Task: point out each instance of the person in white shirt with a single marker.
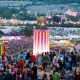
(40, 73)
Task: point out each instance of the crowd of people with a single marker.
(19, 63)
(15, 46)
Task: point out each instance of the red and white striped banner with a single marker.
(40, 41)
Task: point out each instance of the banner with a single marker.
(2, 50)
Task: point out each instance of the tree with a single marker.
(27, 31)
(7, 13)
(73, 18)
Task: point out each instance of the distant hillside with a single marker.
(58, 1)
(50, 1)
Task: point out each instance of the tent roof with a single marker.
(5, 31)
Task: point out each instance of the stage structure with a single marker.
(41, 37)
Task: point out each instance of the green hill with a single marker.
(49, 1)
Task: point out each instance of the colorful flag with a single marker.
(2, 50)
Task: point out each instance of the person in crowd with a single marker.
(39, 59)
(55, 60)
(10, 76)
(2, 76)
(27, 56)
(34, 72)
(21, 63)
(51, 56)
(56, 74)
(45, 77)
(67, 63)
(40, 73)
(61, 64)
(21, 55)
(69, 75)
(26, 73)
(46, 60)
(77, 74)
(33, 58)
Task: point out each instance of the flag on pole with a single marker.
(2, 50)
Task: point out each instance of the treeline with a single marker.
(49, 1)
(15, 13)
(60, 1)
(7, 13)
